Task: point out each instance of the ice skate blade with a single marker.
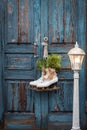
(50, 86)
(32, 86)
(45, 89)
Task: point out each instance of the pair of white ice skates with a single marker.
(47, 79)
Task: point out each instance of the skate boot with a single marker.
(47, 83)
(48, 79)
(35, 82)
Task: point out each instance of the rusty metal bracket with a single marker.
(45, 45)
(35, 50)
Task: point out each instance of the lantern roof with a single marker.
(76, 50)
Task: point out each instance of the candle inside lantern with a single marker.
(77, 60)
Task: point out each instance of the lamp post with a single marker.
(76, 56)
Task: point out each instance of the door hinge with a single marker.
(35, 50)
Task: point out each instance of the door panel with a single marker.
(20, 21)
(62, 34)
(19, 70)
(61, 100)
(19, 56)
(62, 20)
(20, 99)
(19, 61)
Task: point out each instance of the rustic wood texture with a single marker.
(20, 121)
(23, 23)
(2, 34)
(82, 42)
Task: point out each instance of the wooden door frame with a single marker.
(86, 56)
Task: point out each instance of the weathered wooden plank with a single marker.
(44, 19)
(1, 19)
(12, 21)
(30, 100)
(44, 32)
(61, 48)
(4, 41)
(86, 106)
(21, 98)
(19, 61)
(65, 62)
(59, 20)
(38, 108)
(26, 97)
(52, 21)
(12, 100)
(58, 100)
(1, 89)
(36, 17)
(2, 27)
(60, 117)
(19, 126)
(20, 22)
(81, 38)
(23, 21)
(67, 23)
(44, 109)
(65, 75)
(44, 22)
(18, 115)
(62, 13)
(59, 126)
(30, 21)
(14, 48)
(19, 74)
(73, 25)
(18, 120)
(68, 96)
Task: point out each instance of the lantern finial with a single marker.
(76, 45)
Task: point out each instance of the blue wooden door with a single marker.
(27, 22)
(19, 56)
(19, 64)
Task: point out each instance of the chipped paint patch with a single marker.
(22, 96)
(10, 8)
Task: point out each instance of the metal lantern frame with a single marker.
(76, 56)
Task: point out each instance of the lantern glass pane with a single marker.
(76, 61)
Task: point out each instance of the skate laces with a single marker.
(49, 74)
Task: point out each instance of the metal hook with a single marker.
(44, 43)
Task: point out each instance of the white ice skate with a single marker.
(47, 82)
(34, 83)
